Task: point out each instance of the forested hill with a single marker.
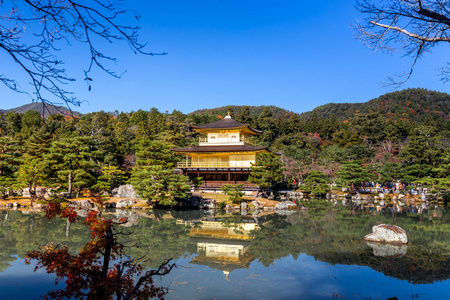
(254, 111)
(48, 110)
(411, 104)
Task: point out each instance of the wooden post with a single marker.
(229, 177)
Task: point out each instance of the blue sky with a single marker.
(293, 54)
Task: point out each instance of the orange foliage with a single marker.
(91, 274)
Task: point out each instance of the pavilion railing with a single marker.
(204, 141)
(234, 164)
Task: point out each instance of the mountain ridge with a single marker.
(412, 104)
(45, 111)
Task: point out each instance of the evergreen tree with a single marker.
(153, 176)
(267, 124)
(111, 178)
(352, 173)
(295, 124)
(346, 137)
(73, 160)
(30, 175)
(37, 144)
(267, 172)
(390, 171)
(244, 116)
(14, 123)
(5, 185)
(424, 151)
(10, 152)
(315, 183)
(234, 191)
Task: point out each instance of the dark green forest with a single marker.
(403, 136)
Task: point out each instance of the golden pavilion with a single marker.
(224, 155)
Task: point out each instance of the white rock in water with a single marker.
(125, 203)
(388, 250)
(286, 205)
(387, 234)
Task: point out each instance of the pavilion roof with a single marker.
(224, 124)
(230, 148)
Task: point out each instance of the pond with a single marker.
(318, 253)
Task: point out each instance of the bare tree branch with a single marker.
(411, 26)
(31, 32)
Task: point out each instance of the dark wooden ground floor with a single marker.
(214, 179)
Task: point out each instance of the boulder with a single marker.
(194, 201)
(125, 203)
(244, 206)
(229, 208)
(85, 204)
(209, 204)
(9, 205)
(286, 205)
(424, 198)
(50, 193)
(388, 250)
(26, 193)
(285, 212)
(83, 212)
(124, 191)
(126, 218)
(16, 204)
(82, 204)
(110, 205)
(401, 196)
(387, 234)
(382, 203)
(381, 195)
(40, 192)
(256, 204)
(40, 206)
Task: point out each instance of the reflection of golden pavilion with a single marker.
(223, 246)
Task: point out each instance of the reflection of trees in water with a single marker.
(332, 234)
(335, 235)
(157, 240)
(23, 231)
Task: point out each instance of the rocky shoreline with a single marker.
(125, 197)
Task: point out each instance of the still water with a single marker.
(314, 254)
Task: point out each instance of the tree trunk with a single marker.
(69, 189)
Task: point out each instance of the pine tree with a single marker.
(234, 191)
(352, 173)
(36, 146)
(110, 178)
(424, 151)
(153, 176)
(315, 183)
(30, 175)
(267, 172)
(10, 152)
(73, 160)
(244, 116)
